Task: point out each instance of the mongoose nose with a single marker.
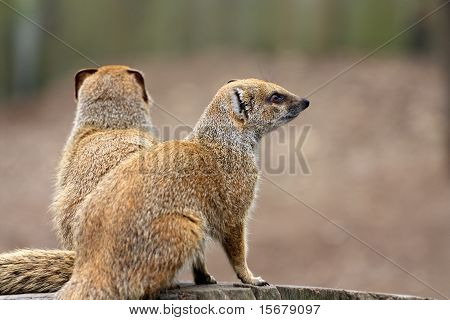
(304, 103)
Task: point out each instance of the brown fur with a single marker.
(112, 123)
(153, 213)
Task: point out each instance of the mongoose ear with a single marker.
(80, 77)
(140, 80)
(232, 80)
(240, 108)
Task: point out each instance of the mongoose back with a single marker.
(112, 122)
(152, 214)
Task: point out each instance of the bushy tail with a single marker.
(35, 271)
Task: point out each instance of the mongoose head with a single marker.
(261, 106)
(111, 96)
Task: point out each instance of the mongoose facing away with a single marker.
(152, 214)
(112, 122)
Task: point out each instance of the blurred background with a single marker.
(378, 150)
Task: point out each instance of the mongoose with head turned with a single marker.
(152, 214)
(112, 122)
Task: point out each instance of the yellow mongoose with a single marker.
(152, 213)
(112, 122)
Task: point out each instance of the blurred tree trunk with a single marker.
(446, 63)
(5, 22)
(26, 48)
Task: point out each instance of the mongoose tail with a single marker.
(175, 239)
(35, 271)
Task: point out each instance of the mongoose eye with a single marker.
(276, 98)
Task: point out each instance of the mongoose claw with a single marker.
(258, 281)
(261, 282)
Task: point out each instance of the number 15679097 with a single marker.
(289, 309)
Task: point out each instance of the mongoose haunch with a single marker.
(151, 215)
(112, 122)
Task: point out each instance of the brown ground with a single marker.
(377, 152)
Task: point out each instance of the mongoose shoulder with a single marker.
(151, 214)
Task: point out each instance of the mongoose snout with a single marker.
(304, 103)
(294, 110)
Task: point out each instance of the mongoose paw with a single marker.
(205, 279)
(257, 281)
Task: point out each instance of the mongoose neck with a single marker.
(113, 114)
(216, 128)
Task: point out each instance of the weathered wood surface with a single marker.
(230, 291)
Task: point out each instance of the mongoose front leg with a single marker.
(235, 248)
(201, 274)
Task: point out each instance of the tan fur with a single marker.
(26, 271)
(112, 123)
(152, 214)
